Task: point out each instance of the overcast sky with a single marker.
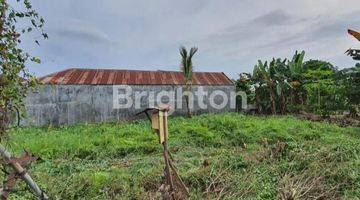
(231, 34)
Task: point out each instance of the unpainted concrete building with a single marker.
(98, 95)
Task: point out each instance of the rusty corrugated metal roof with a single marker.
(77, 76)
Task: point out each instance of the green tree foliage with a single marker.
(278, 83)
(15, 79)
(324, 94)
(283, 85)
(349, 79)
(244, 84)
(265, 73)
(295, 73)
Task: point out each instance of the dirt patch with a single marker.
(341, 120)
(274, 151)
(151, 183)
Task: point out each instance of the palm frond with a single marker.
(183, 53)
(186, 62)
(193, 50)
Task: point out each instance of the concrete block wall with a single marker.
(70, 104)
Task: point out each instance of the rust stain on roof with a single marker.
(131, 77)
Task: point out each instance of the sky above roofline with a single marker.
(231, 34)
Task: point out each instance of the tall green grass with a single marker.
(225, 155)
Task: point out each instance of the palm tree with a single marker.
(187, 69)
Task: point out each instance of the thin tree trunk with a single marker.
(297, 96)
(319, 98)
(257, 98)
(3, 121)
(273, 103)
(283, 107)
(304, 96)
(23, 174)
(187, 98)
(188, 106)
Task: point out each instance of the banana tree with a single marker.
(296, 76)
(265, 73)
(187, 69)
(282, 85)
(258, 83)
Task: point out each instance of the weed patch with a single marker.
(226, 156)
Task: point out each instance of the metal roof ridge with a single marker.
(114, 69)
(130, 76)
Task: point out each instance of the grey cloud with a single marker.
(276, 17)
(231, 34)
(277, 34)
(257, 28)
(334, 28)
(77, 30)
(322, 29)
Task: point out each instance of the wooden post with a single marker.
(159, 123)
(162, 139)
(167, 170)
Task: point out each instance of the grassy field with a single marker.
(228, 156)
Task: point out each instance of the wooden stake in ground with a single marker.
(21, 172)
(159, 123)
